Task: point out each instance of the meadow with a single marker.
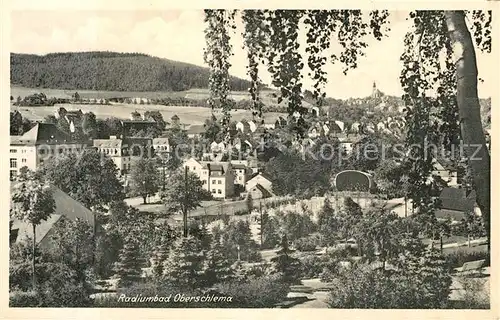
(188, 115)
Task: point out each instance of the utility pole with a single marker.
(261, 224)
(184, 207)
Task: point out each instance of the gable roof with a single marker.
(457, 199)
(108, 143)
(265, 193)
(66, 207)
(262, 174)
(46, 133)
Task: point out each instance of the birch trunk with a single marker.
(469, 111)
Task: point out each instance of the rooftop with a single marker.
(41, 133)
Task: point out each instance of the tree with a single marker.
(157, 117)
(90, 178)
(128, 267)
(296, 225)
(32, 202)
(249, 203)
(50, 119)
(273, 35)
(238, 242)
(181, 195)
(269, 231)
(63, 125)
(76, 96)
(89, 125)
(328, 223)
(72, 244)
(469, 109)
(184, 265)
(144, 178)
(285, 264)
(216, 267)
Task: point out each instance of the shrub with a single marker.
(474, 295)
(306, 243)
(311, 266)
(256, 292)
(24, 299)
(457, 258)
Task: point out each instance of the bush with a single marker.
(306, 243)
(311, 266)
(457, 258)
(24, 299)
(474, 295)
(259, 292)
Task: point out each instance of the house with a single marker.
(340, 125)
(36, 146)
(217, 177)
(123, 152)
(195, 131)
(161, 145)
(241, 173)
(259, 178)
(259, 192)
(243, 126)
(136, 125)
(252, 125)
(117, 150)
(446, 171)
(65, 208)
(455, 203)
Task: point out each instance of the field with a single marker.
(17, 91)
(187, 115)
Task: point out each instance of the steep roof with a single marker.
(66, 207)
(108, 143)
(457, 199)
(42, 133)
(265, 193)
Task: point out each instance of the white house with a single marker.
(261, 179)
(217, 177)
(340, 124)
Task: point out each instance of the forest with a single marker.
(110, 71)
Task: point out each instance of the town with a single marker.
(122, 199)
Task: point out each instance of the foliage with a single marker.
(216, 267)
(292, 174)
(128, 267)
(181, 195)
(474, 294)
(328, 222)
(285, 264)
(311, 266)
(89, 178)
(308, 243)
(144, 178)
(18, 124)
(258, 292)
(270, 231)
(456, 259)
(237, 239)
(297, 225)
(58, 286)
(109, 71)
(72, 243)
(184, 266)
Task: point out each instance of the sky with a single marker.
(178, 35)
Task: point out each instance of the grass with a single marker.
(187, 115)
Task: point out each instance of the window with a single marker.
(219, 181)
(239, 178)
(219, 191)
(13, 150)
(204, 181)
(213, 190)
(12, 174)
(213, 181)
(23, 160)
(60, 151)
(13, 163)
